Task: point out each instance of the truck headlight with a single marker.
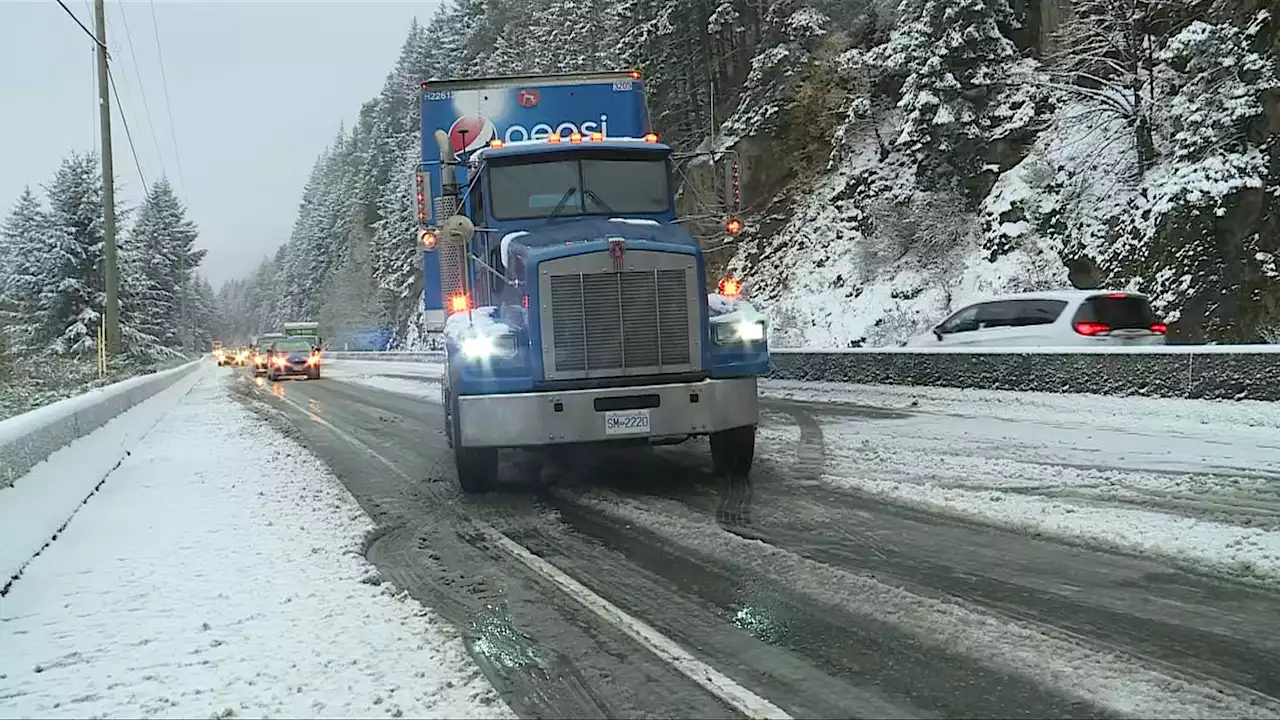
(745, 331)
(483, 347)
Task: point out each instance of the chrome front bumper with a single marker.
(554, 418)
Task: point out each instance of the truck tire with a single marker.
(733, 450)
(477, 467)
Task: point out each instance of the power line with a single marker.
(128, 135)
(86, 30)
(94, 84)
(146, 109)
(167, 105)
(121, 90)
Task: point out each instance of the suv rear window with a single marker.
(1120, 312)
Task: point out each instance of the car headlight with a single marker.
(483, 347)
(745, 331)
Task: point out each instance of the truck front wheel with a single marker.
(477, 467)
(733, 450)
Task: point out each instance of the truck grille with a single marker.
(635, 322)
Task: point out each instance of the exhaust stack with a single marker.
(448, 203)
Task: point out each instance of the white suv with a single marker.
(1051, 319)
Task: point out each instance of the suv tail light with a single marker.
(1092, 328)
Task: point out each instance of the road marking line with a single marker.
(712, 680)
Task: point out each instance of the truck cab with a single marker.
(576, 304)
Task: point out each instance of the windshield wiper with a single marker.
(604, 205)
(563, 199)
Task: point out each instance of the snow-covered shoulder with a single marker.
(479, 321)
(727, 309)
(219, 571)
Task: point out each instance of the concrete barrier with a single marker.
(1227, 372)
(29, 438)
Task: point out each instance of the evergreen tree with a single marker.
(70, 303)
(955, 60)
(162, 249)
(24, 238)
(142, 300)
(1179, 234)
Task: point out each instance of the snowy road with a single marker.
(896, 553)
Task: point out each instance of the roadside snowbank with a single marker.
(219, 571)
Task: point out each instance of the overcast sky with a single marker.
(257, 89)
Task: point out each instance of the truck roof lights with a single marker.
(651, 137)
(575, 137)
(635, 74)
(554, 138)
(597, 137)
(495, 143)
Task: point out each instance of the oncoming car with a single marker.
(293, 356)
(1068, 318)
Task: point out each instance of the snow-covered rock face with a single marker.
(870, 259)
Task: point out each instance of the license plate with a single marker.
(626, 422)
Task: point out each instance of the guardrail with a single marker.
(1224, 372)
(29, 438)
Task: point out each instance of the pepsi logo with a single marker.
(471, 132)
(529, 97)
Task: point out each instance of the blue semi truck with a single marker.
(573, 303)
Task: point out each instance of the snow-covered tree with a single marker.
(1106, 58)
(964, 82)
(1186, 235)
(161, 257)
(24, 238)
(70, 304)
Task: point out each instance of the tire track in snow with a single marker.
(1055, 659)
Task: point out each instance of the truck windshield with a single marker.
(602, 185)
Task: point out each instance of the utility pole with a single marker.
(112, 314)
